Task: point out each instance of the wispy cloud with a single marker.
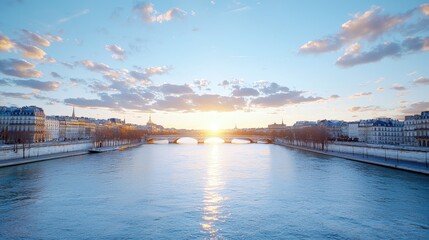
(19, 68)
(5, 43)
(370, 108)
(421, 81)
(398, 87)
(118, 53)
(38, 85)
(76, 15)
(361, 94)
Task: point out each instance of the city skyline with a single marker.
(205, 64)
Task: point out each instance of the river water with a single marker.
(224, 191)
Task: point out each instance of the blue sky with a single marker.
(199, 64)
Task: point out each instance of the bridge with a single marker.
(202, 137)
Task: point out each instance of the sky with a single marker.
(201, 64)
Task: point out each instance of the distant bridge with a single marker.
(202, 137)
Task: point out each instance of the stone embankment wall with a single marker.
(390, 152)
(38, 149)
(405, 153)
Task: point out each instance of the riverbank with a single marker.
(19, 161)
(416, 167)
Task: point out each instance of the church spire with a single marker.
(73, 115)
(150, 120)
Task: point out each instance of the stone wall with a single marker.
(39, 149)
(384, 151)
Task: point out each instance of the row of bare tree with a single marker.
(314, 137)
(106, 135)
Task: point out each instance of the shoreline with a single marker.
(47, 157)
(390, 163)
(20, 161)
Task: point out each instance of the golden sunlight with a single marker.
(214, 128)
(214, 140)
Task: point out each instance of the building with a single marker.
(52, 129)
(381, 131)
(299, 124)
(350, 130)
(276, 127)
(151, 127)
(75, 128)
(22, 125)
(416, 130)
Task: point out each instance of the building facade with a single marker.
(381, 131)
(416, 130)
(52, 129)
(22, 125)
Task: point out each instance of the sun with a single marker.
(214, 128)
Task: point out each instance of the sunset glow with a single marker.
(189, 63)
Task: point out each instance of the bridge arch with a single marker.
(242, 140)
(186, 140)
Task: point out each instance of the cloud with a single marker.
(321, 45)
(68, 65)
(36, 84)
(76, 15)
(18, 68)
(77, 81)
(227, 83)
(282, 99)
(370, 108)
(99, 86)
(369, 25)
(173, 89)
(362, 94)
(201, 83)
(5, 43)
(412, 44)
(150, 71)
(398, 87)
(49, 100)
(56, 75)
(200, 103)
(118, 53)
(31, 52)
(421, 81)
(273, 88)
(379, 89)
(416, 108)
(144, 75)
(425, 9)
(16, 95)
(52, 38)
(3, 82)
(147, 12)
(37, 39)
(353, 56)
(245, 92)
(119, 101)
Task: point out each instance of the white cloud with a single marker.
(150, 15)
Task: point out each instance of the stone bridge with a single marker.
(201, 138)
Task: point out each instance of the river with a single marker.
(216, 191)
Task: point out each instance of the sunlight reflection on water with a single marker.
(213, 200)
